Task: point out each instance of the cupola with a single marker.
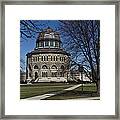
(48, 38)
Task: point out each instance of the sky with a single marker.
(28, 44)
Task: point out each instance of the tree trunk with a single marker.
(98, 87)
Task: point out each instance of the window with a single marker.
(44, 67)
(60, 58)
(51, 58)
(35, 67)
(54, 74)
(53, 67)
(51, 43)
(41, 44)
(36, 75)
(56, 44)
(47, 58)
(44, 74)
(46, 43)
(61, 74)
(41, 58)
(62, 67)
(37, 45)
(54, 58)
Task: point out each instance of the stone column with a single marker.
(49, 73)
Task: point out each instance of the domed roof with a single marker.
(48, 33)
(48, 42)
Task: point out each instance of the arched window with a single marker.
(54, 74)
(47, 58)
(51, 58)
(41, 58)
(61, 74)
(54, 58)
(60, 58)
(36, 75)
(35, 67)
(44, 67)
(53, 67)
(62, 67)
(44, 74)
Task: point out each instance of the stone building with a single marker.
(48, 62)
(77, 76)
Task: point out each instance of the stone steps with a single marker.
(51, 79)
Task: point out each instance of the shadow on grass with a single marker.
(73, 94)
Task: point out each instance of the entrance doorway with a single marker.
(36, 75)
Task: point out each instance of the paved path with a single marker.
(73, 87)
(40, 97)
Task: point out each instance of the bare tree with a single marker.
(29, 30)
(82, 40)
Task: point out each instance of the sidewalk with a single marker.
(44, 96)
(73, 87)
(40, 97)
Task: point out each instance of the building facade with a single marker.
(77, 76)
(48, 62)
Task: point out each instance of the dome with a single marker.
(48, 38)
(48, 33)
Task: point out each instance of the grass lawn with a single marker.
(88, 91)
(41, 88)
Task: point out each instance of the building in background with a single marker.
(77, 76)
(48, 62)
(22, 76)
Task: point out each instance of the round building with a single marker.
(48, 62)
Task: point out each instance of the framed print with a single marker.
(59, 60)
